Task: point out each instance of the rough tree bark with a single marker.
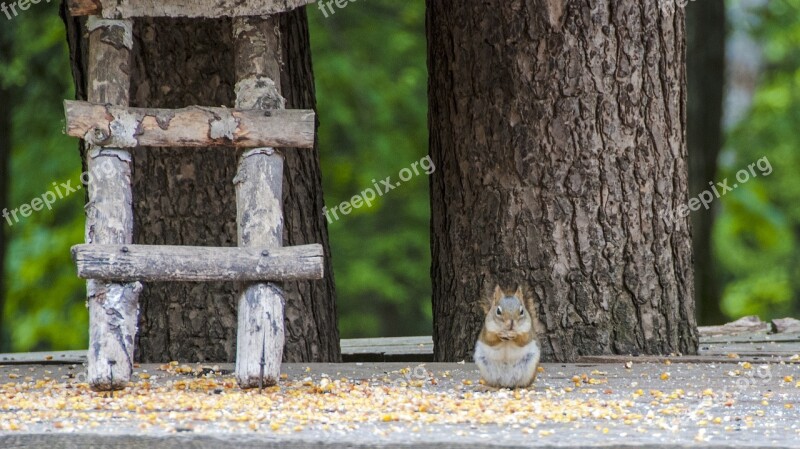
(705, 62)
(557, 129)
(187, 196)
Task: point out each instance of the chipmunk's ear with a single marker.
(527, 302)
(498, 294)
(488, 303)
(519, 295)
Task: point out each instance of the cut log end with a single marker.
(84, 7)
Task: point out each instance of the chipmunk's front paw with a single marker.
(485, 388)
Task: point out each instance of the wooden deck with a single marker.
(741, 390)
(402, 405)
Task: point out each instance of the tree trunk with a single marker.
(6, 100)
(187, 196)
(705, 62)
(557, 129)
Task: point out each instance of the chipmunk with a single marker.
(507, 351)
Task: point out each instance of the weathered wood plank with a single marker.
(752, 338)
(399, 342)
(113, 308)
(751, 349)
(786, 325)
(749, 325)
(699, 359)
(44, 358)
(121, 127)
(388, 349)
(259, 202)
(124, 9)
(155, 263)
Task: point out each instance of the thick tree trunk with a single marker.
(187, 196)
(6, 108)
(705, 61)
(557, 130)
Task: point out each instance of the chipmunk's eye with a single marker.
(521, 311)
(499, 311)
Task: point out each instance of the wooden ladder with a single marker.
(113, 266)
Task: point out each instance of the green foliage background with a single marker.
(370, 66)
(758, 230)
(44, 304)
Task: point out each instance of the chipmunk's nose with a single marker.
(511, 326)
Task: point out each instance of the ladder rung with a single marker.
(153, 263)
(122, 127)
(124, 9)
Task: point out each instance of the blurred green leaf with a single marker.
(756, 235)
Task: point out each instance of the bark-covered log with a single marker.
(124, 9)
(153, 263)
(113, 309)
(557, 129)
(109, 214)
(120, 127)
(260, 332)
(259, 203)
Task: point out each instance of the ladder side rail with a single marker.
(259, 202)
(113, 307)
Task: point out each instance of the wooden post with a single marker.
(259, 201)
(113, 308)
